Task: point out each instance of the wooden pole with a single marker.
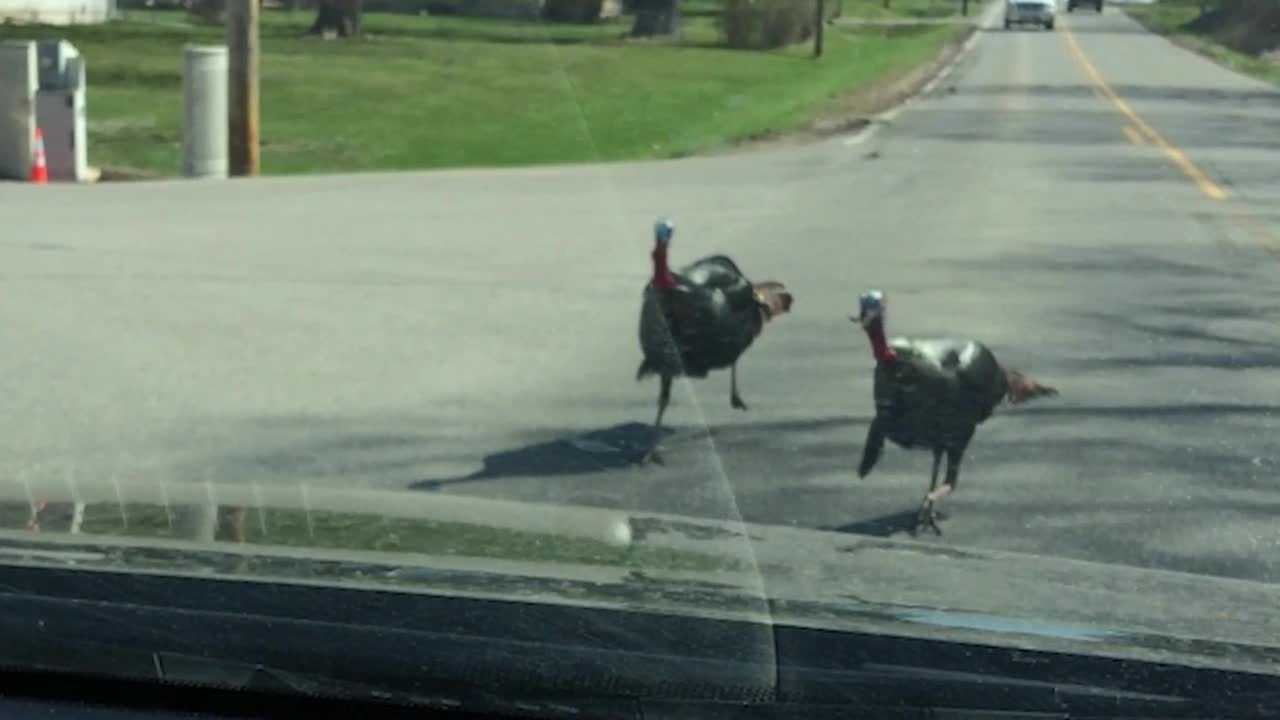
(818, 22)
(242, 43)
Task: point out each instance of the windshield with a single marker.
(909, 317)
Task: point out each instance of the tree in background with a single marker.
(768, 24)
(573, 11)
(655, 17)
(341, 17)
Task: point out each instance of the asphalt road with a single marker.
(1096, 205)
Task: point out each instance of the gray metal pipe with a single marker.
(204, 131)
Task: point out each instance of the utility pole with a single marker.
(964, 7)
(818, 22)
(242, 41)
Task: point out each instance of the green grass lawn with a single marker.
(908, 9)
(1175, 17)
(431, 92)
(371, 533)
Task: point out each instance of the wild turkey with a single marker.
(699, 320)
(933, 394)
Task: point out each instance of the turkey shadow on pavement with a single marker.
(611, 448)
(882, 526)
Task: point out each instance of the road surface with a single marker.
(1095, 204)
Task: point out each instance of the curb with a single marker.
(943, 70)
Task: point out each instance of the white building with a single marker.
(57, 12)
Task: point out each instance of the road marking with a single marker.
(986, 21)
(1260, 232)
(1134, 136)
(1176, 156)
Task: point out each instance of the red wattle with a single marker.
(662, 277)
(879, 346)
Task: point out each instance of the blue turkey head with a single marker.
(663, 230)
(870, 307)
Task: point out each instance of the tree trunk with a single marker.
(340, 16)
(656, 17)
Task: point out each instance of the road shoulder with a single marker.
(857, 110)
(1177, 24)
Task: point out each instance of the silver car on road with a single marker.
(1029, 12)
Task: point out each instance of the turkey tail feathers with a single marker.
(774, 297)
(1023, 388)
(644, 370)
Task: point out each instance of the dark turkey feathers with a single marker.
(707, 320)
(701, 319)
(933, 394)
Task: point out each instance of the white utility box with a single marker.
(60, 110)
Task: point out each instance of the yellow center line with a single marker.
(1134, 136)
(1176, 156)
(1266, 239)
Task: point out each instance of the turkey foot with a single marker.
(928, 518)
(653, 456)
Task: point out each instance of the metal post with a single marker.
(204, 130)
(242, 38)
(818, 22)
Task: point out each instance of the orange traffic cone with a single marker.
(39, 167)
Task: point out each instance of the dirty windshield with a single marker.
(909, 316)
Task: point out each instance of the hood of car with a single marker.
(692, 567)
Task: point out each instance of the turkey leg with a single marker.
(664, 397)
(928, 517)
(735, 400)
(948, 486)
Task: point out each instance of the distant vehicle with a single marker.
(1073, 4)
(1030, 12)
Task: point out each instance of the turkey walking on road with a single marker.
(700, 319)
(933, 394)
